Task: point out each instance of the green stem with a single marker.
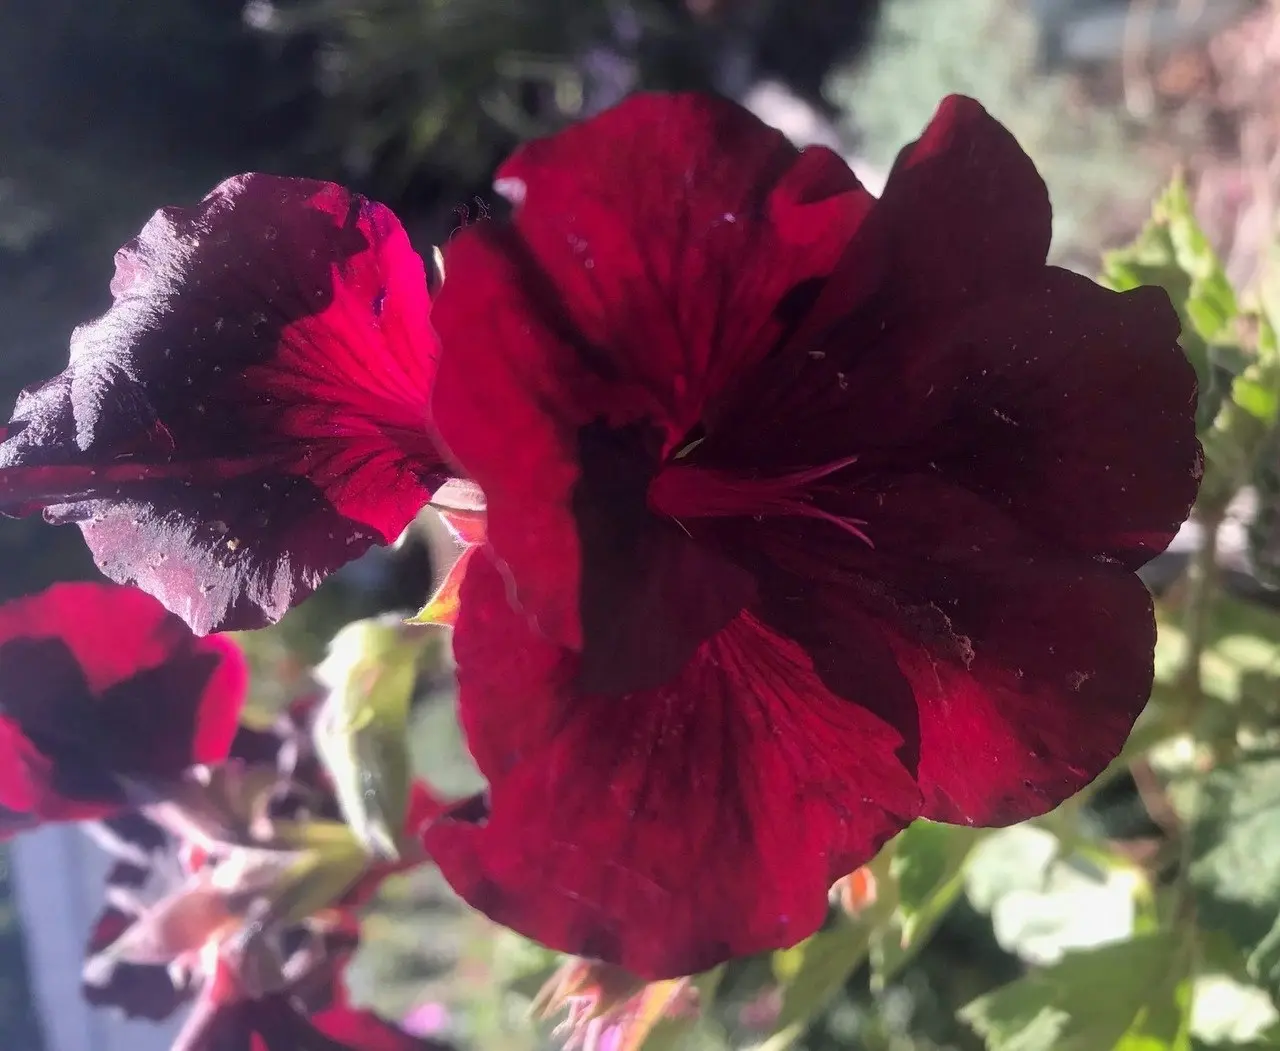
(1202, 586)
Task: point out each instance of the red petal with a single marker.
(668, 830)
(968, 211)
(365, 1031)
(1015, 671)
(943, 342)
(648, 263)
(1066, 405)
(963, 216)
(251, 413)
(1073, 408)
(425, 804)
(99, 683)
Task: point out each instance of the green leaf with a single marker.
(1240, 662)
(927, 864)
(815, 970)
(1173, 252)
(317, 877)
(1045, 902)
(1235, 870)
(1079, 907)
(1011, 859)
(1257, 397)
(812, 972)
(1264, 529)
(1227, 1011)
(361, 729)
(1130, 996)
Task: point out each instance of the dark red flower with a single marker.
(251, 413)
(280, 1023)
(99, 687)
(362, 1030)
(143, 962)
(808, 514)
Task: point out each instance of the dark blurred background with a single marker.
(110, 109)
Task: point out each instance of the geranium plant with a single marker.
(791, 523)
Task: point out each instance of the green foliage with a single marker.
(362, 725)
(1235, 841)
(444, 80)
(813, 972)
(1264, 531)
(1046, 899)
(1173, 253)
(926, 878)
(1130, 996)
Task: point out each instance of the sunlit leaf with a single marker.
(1130, 996)
(927, 865)
(1173, 252)
(813, 972)
(361, 728)
(1236, 860)
(1008, 860)
(1241, 655)
(1227, 1011)
(1045, 901)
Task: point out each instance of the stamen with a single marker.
(684, 491)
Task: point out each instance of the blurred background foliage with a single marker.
(1141, 916)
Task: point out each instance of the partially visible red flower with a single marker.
(173, 925)
(251, 413)
(100, 687)
(807, 514)
(362, 1030)
(280, 1023)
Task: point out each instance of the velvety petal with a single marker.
(1073, 408)
(1018, 672)
(24, 786)
(1068, 406)
(942, 340)
(964, 214)
(967, 210)
(251, 413)
(668, 830)
(98, 683)
(650, 260)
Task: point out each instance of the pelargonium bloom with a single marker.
(809, 514)
(102, 690)
(251, 413)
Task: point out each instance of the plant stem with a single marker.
(1202, 586)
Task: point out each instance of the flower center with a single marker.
(683, 490)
